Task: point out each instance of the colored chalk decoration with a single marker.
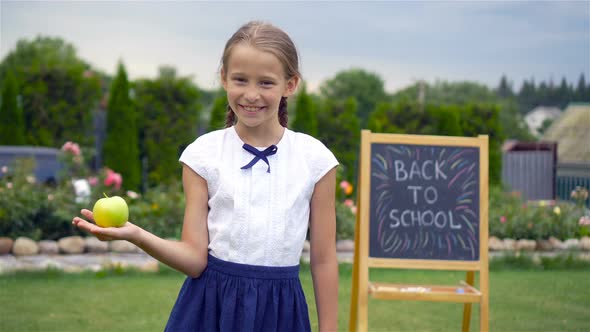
(422, 204)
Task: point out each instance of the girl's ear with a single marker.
(291, 86)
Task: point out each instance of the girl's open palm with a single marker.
(126, 232)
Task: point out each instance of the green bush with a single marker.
(345, 222)
(160, 210)
(32, 209)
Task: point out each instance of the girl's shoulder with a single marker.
(211, 138)
(309, 143)
(203, 151)
(316, 155)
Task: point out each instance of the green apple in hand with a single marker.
(110, 211)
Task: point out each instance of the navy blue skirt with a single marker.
(239, 297)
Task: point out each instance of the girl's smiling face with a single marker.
(255, 83)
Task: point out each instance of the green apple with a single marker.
(110, 211)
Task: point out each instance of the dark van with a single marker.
(47, 164)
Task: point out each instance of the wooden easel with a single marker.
(465, 292)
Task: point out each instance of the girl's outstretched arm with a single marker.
(324, 264)
(188, 255)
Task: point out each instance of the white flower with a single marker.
(9, 185)
(4, 169)
(31, 179)
(132, 194)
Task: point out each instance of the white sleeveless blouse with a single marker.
(256, 217)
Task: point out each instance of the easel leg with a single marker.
(469, 279)
(354, 307)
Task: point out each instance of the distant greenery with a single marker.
(305, 120)
(57, 90)
(218, 112)
(168, 109)
(61, 97)
(12, 121)
(121, 147)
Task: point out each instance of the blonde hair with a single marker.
(267, 38)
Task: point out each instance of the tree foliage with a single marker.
(305, 114)
(58, 91)
(12, 127)
(469, 120)
(532, 95)
(121, 146)
(218, 112)
(168, 109)
(466, 93)
(339, 130)
(367, 88)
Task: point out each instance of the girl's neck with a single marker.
(260, 136)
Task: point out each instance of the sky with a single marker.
(401, 41)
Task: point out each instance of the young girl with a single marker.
(251, 191)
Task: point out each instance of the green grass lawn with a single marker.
(520, 300)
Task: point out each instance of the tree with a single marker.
(169, 109)
(504, 90)
(218, 112)
(121, 146)
(445, 120)
(339, 130)
(564, 93)
(367, 88)
(545, 125)
(481, 118)
(58, 91)
(305, 114)
(401, 117)
(581, 89)
(461, 94)
(12, 127)
(527, 96)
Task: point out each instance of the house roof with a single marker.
(572, 133)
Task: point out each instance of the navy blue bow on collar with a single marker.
(258, 155)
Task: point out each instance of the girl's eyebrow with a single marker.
(271, 78)
(262, 77)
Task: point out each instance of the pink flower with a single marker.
(348, 202)
(353, 209)
(93, 181)
(9, 185)
(71, 147)
(132, 194)
(4, 169)
(503, 219)
(584, 221)
(113, 178)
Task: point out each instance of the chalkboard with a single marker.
(424, 202)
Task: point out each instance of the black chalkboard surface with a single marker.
(424, 202)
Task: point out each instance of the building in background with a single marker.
(536, 119)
